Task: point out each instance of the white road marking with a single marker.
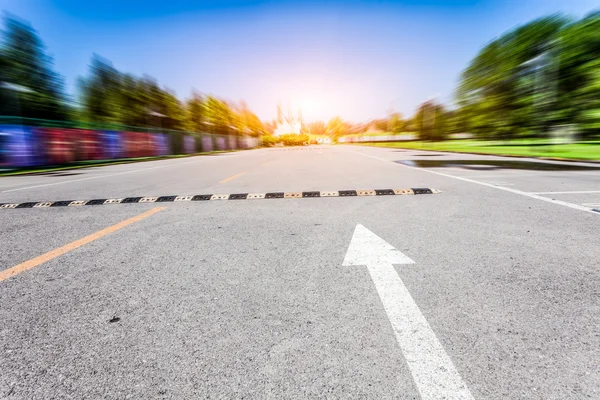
(507, 174)
(432, 369)
(94, 177)
(571, 192)
(527, 194)
(540, 173)
(501, 183)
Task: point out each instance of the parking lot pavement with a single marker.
(298, 297)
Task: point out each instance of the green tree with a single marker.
(113, 97)
(410, 125)
(506, 90)
(101, 93)
(395, 123)
(579, 75)
(132, 102)
(455, 122)
(172, 110)
(196, 116)
(430, 121)
(30, 86)
(219, 115)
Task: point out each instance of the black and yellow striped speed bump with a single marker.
(233, 196)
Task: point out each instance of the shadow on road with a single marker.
(487, 165)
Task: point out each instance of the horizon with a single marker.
(325, 60)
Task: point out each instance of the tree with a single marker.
(430, 121)
(381, 124)
(578, 92)
(132, 102)
(505, 89)
(36, 90)
(395, 123)
(219, 116)
(6, 97)
(113, 97)
(410, 125)
(316, 128)
(335, 128)
(195, 113)
(101, 93)
(247, 122)
(455, 122)
(173, 114)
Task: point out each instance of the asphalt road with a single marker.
(263, 298)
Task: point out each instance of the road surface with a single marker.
(487, 290)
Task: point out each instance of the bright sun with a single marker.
(311, 107)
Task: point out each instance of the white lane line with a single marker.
(93, 177)
(434, 374)
(539, 173)
(494, 176)
(527, 194)
(571, 192)
(501, 183)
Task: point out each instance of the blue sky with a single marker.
(355, 59)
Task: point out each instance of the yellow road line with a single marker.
(34, 262)
(233, 177)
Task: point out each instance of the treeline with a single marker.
(539, 79)
(536, 79)
(30, 88)
(337, 127)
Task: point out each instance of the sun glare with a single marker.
(312, 107)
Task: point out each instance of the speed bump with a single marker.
(366, 193)
(234, 196)
(252, 196)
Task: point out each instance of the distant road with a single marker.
(487, 290)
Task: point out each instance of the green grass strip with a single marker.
(523, 148)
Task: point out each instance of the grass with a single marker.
(522, 148)
(97, 163)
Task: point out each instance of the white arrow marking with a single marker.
(432, 370)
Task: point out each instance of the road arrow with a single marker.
(432, 370)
